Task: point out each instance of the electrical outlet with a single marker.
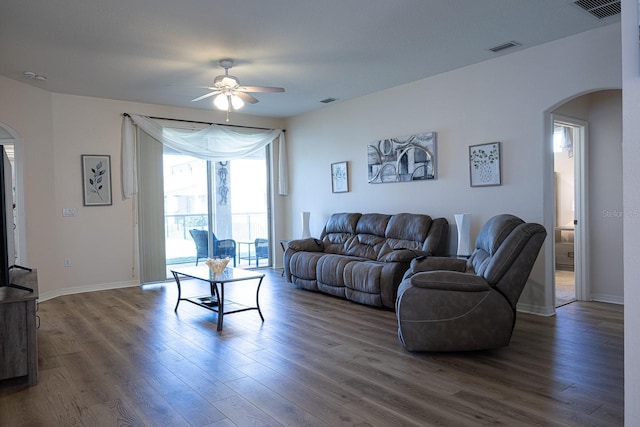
(67, 262)
(69, 212)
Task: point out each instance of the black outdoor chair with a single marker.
(221, 248)
(262, 249)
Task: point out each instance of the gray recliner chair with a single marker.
(450, 304)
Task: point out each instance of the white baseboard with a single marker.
(543, 311)
(607, 298)
(82, 289)
(536, 309)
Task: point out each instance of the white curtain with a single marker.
(216, 143)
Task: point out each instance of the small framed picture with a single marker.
(339, 177)
(485, 164)
(96, 180)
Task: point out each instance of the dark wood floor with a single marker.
(123, 357)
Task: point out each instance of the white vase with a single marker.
(463, 223)
(305, 225)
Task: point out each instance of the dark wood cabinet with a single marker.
(18, 337)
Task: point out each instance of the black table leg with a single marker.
(258, 299)
(175, 276)
(220, 305)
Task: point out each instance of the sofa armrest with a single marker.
(450, 281)
(402, 255)
(306, 245)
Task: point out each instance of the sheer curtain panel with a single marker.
(216, 143)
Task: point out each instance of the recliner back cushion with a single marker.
(369, 236)
(375, 224)
(405, 231)
(489, 240)
(495, 231)
(410, 227)
(339, 231)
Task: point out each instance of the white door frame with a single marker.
(581, 239)
(18, 151)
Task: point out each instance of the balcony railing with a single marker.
(246, 227)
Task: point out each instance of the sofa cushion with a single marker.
(339, 231)
(405, 231)
(369, 237)
(304, 265)
(372, 283)
(411, 227)
(375, 224)
(329, 269)
(329, 273)
(342, 223)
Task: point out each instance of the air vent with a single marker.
(504, 46)
(600, 8)
(328, 100)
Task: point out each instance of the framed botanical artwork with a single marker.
(96, 180)
(339, 177)
(485, 164)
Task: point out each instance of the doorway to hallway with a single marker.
(568, 148)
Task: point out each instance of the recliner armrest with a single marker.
(450, 281)
(306, 245)
(402, 255)
(438, 263)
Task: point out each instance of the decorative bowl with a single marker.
(217, 265)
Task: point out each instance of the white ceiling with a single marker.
(167, 51)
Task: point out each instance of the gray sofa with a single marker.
(448, 304)
(363, 257)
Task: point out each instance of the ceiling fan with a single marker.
(228, 92)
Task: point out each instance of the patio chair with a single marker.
(221, 248)
(262, 249)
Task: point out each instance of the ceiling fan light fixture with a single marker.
(237, 102)
(221, 102)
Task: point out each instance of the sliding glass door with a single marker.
(216, 209)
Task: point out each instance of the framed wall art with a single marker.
(96, 180)
(339, 177)
(402, 159)
(485, 164)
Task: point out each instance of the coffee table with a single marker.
(215, 300)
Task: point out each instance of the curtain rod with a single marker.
(204, 123)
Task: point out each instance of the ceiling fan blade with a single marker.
(206, 95)
(247, 98)
(260, 89)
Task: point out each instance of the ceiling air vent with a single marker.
(328, 100)
(600, 8)
(504, 46)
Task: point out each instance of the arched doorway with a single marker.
(598, 234)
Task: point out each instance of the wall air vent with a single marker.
(328, 100)
(600, 8)
(504, 46)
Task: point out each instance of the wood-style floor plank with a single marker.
(124, 357)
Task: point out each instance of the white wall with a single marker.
(27, 110)
(504, 99)
(56, 130)
(605, 197)
(631, 207)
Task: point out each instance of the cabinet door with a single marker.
(13, 340)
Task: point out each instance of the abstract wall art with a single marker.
(402, 159)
